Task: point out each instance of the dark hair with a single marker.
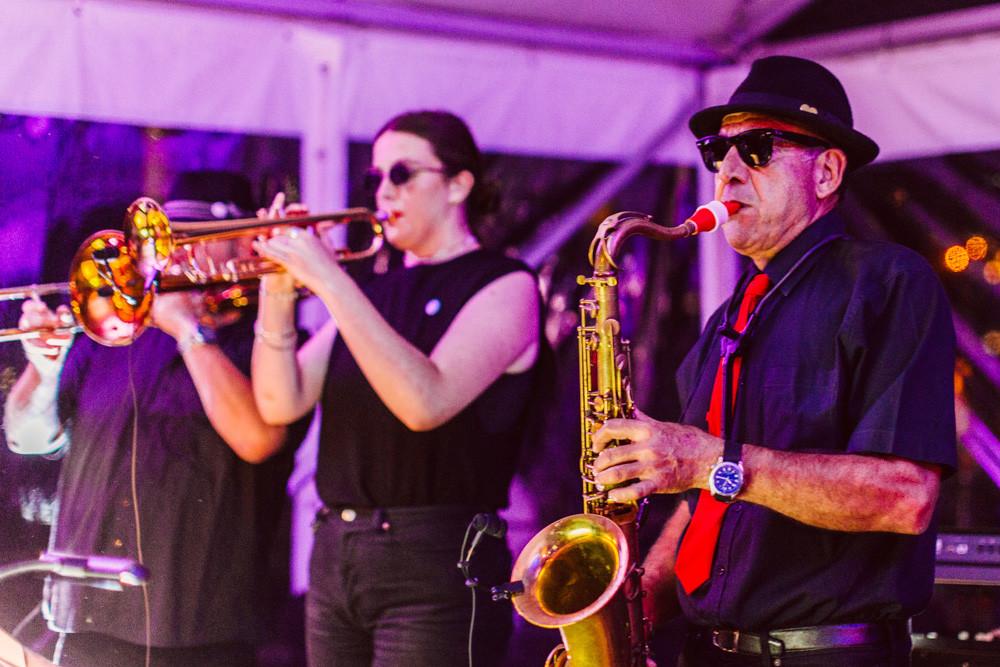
(453, 144)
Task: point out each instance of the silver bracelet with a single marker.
(275, 346)
(279, 341)
(281, 296)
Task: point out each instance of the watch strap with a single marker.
(732, 451)
(201, 335)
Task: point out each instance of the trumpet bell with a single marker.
(108, 294)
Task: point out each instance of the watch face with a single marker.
(726, 480)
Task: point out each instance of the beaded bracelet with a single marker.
(277, 341)
(281, 296)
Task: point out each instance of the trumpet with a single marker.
(115, 275)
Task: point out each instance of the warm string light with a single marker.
(957, 258)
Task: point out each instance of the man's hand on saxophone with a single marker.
(662, 456)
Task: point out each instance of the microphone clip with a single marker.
(488, 524)
(507, 591)
(725, 330)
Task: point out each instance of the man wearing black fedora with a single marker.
(817, 406)
(160, 444)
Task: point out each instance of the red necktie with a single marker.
(694, 557)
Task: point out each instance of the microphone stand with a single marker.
(112, 572)
(115, 572)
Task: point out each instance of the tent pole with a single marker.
(551, 234)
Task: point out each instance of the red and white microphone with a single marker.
(711, 216)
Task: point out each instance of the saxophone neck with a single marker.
(615, 229)
(610, 236)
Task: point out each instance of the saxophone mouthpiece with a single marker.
(711, 216)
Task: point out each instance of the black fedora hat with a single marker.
(798, 90)
(210, 195)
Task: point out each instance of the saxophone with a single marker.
(580, 573)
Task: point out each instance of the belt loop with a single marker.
(764, 641)
(772, 648)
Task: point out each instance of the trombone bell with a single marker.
(109, 296)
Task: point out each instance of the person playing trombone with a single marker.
(157, 441)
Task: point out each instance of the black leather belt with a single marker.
(384, 517)
(805, 639)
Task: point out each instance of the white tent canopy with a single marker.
(187, 66)
(227, 68)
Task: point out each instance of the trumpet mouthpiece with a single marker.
(711, 216)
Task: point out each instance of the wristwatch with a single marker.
(202, 335)
(725, 479)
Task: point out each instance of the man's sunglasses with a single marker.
(399, 174)
(754, 146)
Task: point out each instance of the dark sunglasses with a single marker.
(399, 174)
(754, 146)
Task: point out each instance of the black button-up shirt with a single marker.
(852, 351)
(205, 515)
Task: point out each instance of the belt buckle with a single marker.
(734, 635)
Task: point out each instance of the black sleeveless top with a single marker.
(367, 457)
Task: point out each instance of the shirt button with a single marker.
(722, 571)
(348, 515)
(738, 507)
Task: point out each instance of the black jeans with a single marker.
(384, 589)
(699, 651)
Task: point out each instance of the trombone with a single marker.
(115, 275)
(35, 292)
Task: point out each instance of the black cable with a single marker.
(491, 525)
(472, 619)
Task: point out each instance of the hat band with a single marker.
(190, 209)
(789, 105)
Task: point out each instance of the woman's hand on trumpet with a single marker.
(306, 260)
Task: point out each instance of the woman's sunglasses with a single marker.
(399, 174)
(754, 146)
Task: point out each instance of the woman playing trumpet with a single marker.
(423, 375)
